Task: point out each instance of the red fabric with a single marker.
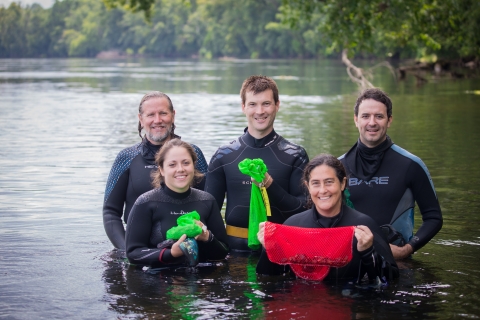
(310, 252)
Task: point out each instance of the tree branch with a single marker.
(355, 73)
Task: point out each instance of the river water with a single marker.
(63, 122)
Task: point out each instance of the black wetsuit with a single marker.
(285, 162)
(156, 211)
(375, 261)
(128, 179)
(389, 196)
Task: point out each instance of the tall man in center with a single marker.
(284, 160)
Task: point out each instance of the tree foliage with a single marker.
(420, 27)
(244, 29)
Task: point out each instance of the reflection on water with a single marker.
(63, 122)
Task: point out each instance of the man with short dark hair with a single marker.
(284, 160)
(385, 180)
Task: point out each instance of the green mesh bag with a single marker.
(256, 169)
(186, 225)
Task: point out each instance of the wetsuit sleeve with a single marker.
(376, 261)
(137, 238)
(113, 208)
(292, 201)
(216, 248)
(216, 183)
(202, 166)
(427, 201)
(375, 265)
(266, 267)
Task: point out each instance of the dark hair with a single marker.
(152, 95)
(160, 159)
(258, 84)
(324, 159)
(377, 95)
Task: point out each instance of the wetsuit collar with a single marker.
(149, 149)
(327, 222)
(363, 162)
(259, 143)
(169, 192)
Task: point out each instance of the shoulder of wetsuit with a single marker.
(226, 149)
(201, 164)
(292, 149)
(201, 195)
(120, 165)
(152, 195)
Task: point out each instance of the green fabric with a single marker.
(348, 202)
(256, 169)
(186, 225)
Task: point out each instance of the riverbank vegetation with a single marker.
(443, 32)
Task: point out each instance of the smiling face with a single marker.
(260, 110)
(326, 190)
(178, 169)
(157, 119)
(372, 122)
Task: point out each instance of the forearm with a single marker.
(427, 201)
(113, 210)
(266, 267)
(425, 233)
(374, 265)
(114, 229)
(213, 249)
(286, 203)
(215, 185)
(289, 199)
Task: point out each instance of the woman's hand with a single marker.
(261, 233)
(205, 235)
(175, 251)
(364, 238)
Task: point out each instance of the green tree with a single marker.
(12, 32)
(253, 29)
(35, 24)
(83, 33)
(57, 15)
(389, 26)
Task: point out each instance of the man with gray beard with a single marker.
(130, 175)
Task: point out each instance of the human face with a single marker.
(178, 169)
(157, 119)
(260, 110)
(372, 122)
(326, 190)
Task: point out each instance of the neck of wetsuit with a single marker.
(327, 222)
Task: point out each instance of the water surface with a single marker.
(63, 122)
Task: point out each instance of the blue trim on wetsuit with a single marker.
(413, 157)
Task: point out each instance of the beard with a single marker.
(159, 138)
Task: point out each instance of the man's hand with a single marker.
(401, 252)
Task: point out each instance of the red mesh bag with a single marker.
(310, 252)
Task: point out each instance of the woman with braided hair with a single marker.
(313, 253)
(131, 171)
